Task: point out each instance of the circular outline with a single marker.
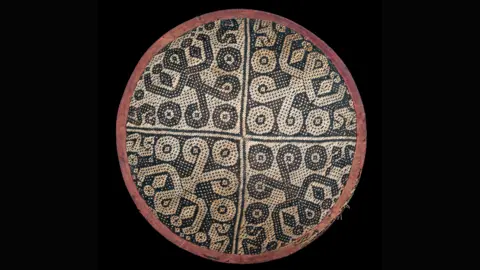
(308, 236)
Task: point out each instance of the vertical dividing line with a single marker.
(240, 199)
(245, 78)
(243, 165)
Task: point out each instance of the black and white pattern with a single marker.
(241, 136)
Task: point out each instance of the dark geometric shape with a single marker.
(315, 157)
(167, 149)
(260, 157)
(139, 94)
(288, 219)
(256, 213)
(157, 68)
(222, 209)
(166, 79)
(169, 114)
(195, 150)
(318, 193)
(229, 59)
(260, 119)
(195, 52)
(318, 64)
(309, 213)
(225, 153)
(225, 117)
(175, 59)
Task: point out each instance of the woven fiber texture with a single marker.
(240, 134)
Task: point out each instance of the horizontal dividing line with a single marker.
(203, 133)
(300, 139)
(184, 133)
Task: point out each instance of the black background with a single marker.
(128, 29)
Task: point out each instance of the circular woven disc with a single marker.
(241, 136)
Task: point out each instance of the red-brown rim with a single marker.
(309, 235)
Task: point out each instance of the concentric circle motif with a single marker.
(241, 136)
